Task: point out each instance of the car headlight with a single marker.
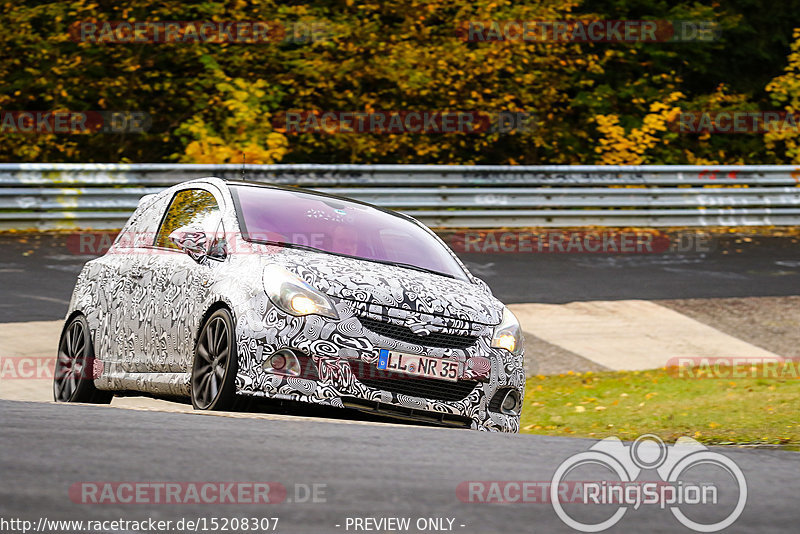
(294, 295)
(508, 334)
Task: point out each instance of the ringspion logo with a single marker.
(539, 492)
(672, 464)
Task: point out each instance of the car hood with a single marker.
(375, 284)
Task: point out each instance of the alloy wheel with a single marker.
(212, 376)
(73, 379)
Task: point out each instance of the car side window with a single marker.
(140, 230)
(190, 207)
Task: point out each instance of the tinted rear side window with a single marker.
(141, 229)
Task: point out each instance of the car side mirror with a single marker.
(192, 241)
(218, 249)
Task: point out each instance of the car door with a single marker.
(176, 285)
(127, 262)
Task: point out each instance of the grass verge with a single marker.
(720, 411)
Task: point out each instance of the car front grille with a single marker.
(427, 388)
(403, 333)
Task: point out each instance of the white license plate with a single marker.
(413, 364)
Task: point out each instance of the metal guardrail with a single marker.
(48, 196)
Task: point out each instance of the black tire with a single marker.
(74, 374)
(213, 378)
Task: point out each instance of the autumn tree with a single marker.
(785, 92)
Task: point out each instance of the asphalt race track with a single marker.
(38, 274)
(763, 267)
(367, 470)
(364, 467)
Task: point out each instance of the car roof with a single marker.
(302, 190)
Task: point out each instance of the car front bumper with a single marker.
(339, 366)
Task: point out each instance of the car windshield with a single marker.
(340, 227)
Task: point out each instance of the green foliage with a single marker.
(209, 102)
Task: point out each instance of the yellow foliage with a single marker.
(620, 147)
(785, 90)
(243, 128)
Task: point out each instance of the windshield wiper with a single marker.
(285, 244)
(415, 267)
(385, 262)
